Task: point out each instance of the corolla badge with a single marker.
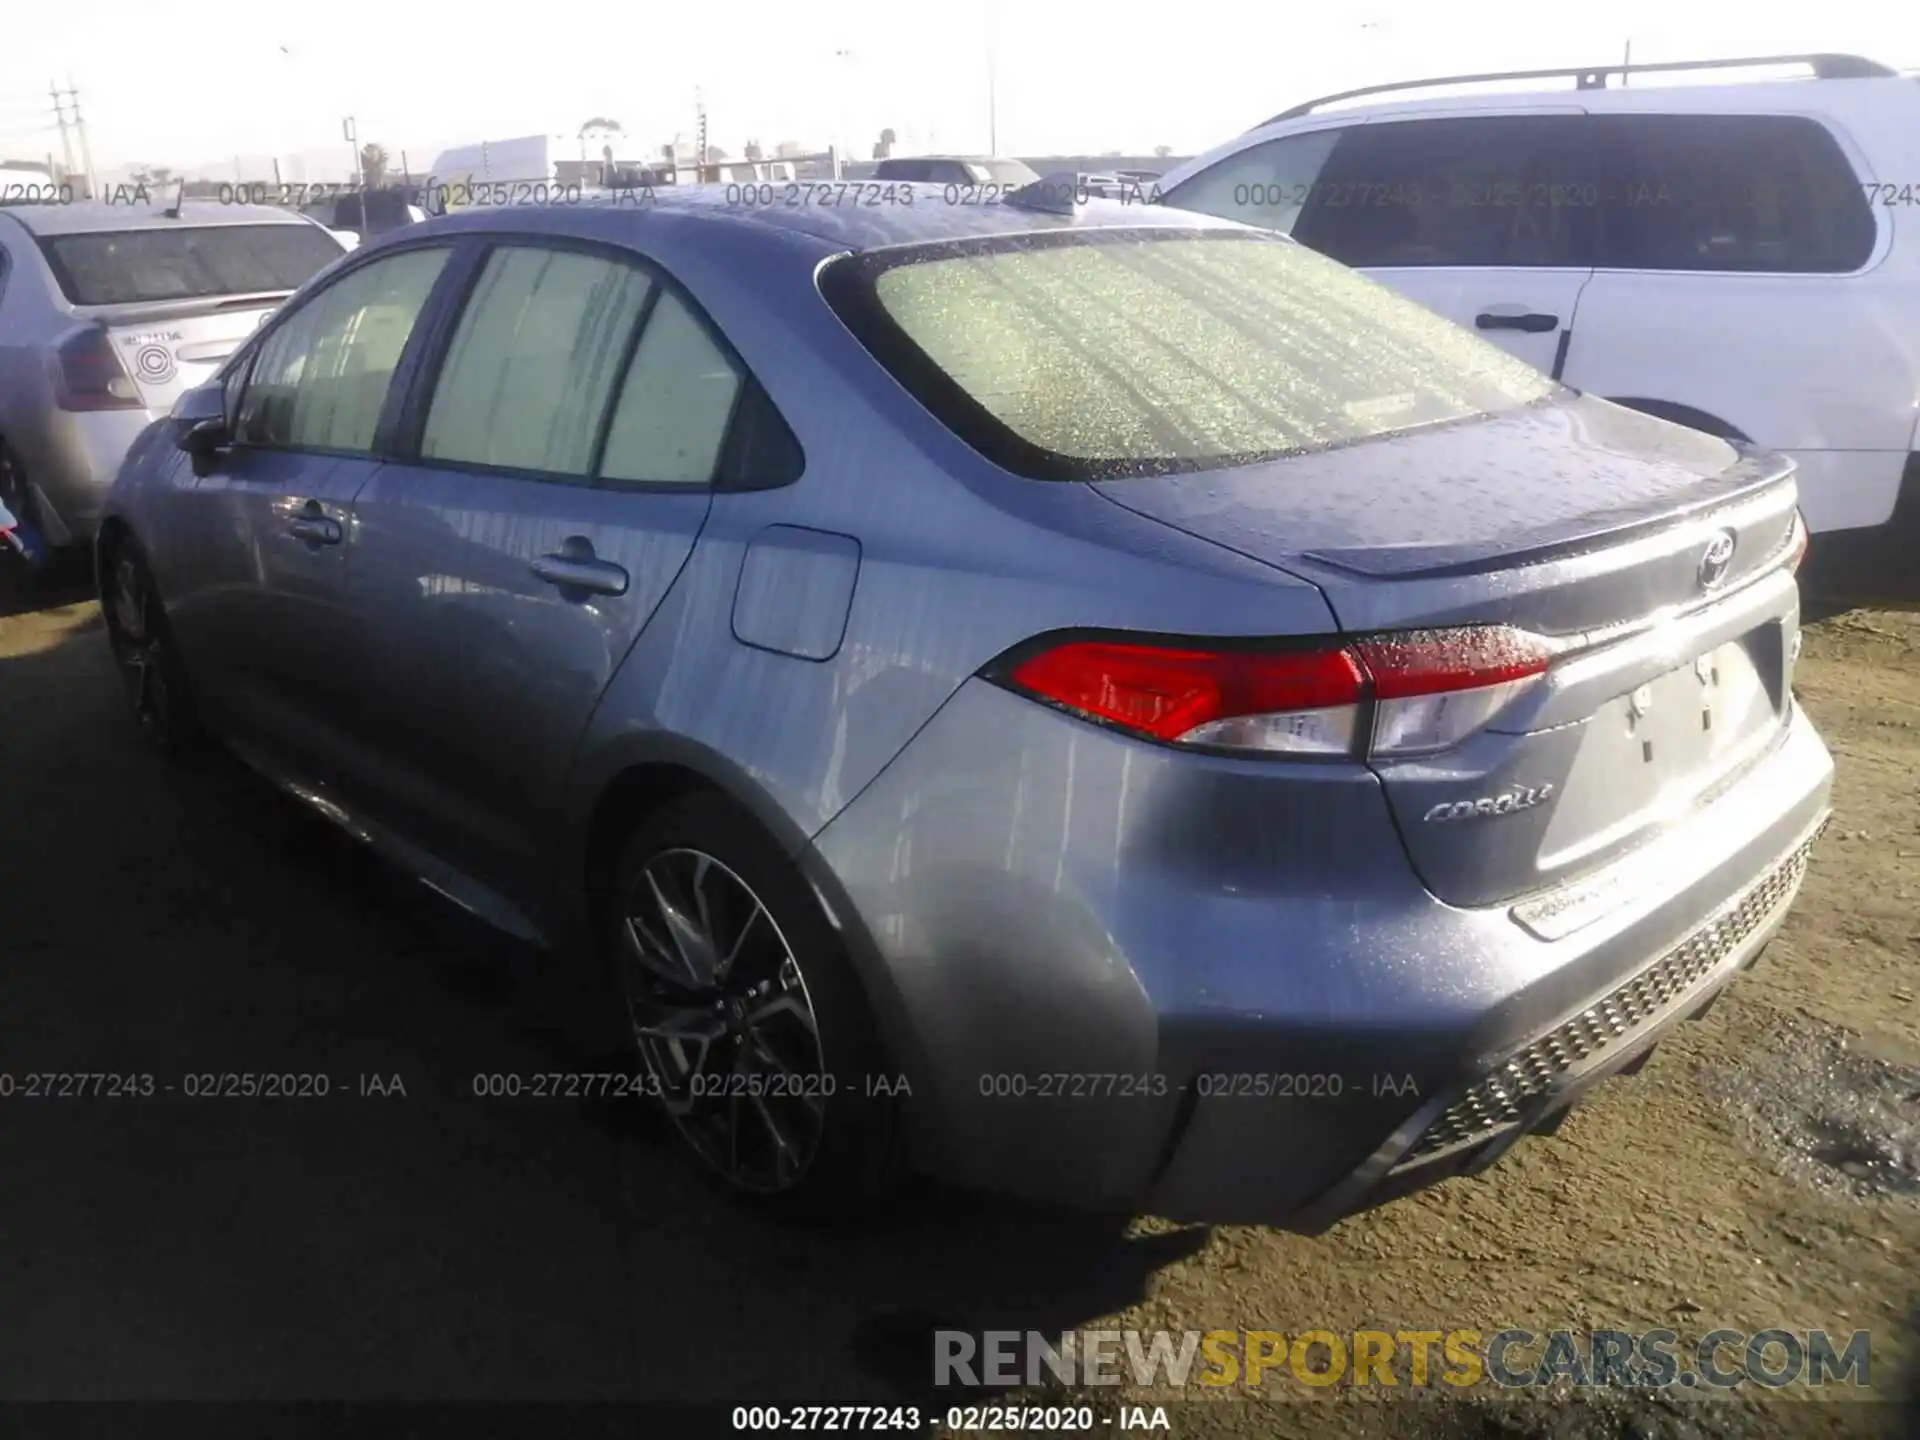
(1520, 797)
(1716, 560)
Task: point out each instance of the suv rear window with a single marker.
(194, 261)
(1098, 354)
(1767, 193)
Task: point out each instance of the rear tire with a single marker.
(158, 692)
(749, 1019)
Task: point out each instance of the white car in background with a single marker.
(1742, 258)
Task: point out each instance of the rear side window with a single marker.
(1096, 354)
(1731, 193)
(195, 261)
(321, 378)
(675, 404)
(1499, 190)
(1266, 184)
(534, 361)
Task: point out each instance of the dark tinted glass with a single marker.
(1729, 192)
(132, 266)
(1506, 190)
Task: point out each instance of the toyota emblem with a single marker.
(1717, 560)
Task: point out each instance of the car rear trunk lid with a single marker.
(170, 348)
(1651, 556)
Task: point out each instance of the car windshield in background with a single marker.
(1003, 172)
(192, 262)
(1095, 355)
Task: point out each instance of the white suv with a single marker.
(1743, 258)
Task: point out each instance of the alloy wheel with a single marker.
(139, 646)
(723, 1019)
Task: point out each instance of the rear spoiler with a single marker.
(153, 311)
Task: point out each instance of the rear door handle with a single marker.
(314, 526)
(582, 572)
(1531, 322)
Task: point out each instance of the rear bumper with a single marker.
(1117, 978)
(1464, 1131)
(1873, 564)
(1602, 997)
(74, 467)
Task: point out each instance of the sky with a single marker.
(1064, 76)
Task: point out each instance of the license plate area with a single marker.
(1650, 754)
(1683, 722)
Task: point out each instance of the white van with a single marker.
(492, 171)
(1743, 258)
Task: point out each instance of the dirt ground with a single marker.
(1759, 1172)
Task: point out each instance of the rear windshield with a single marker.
(1084, 355)
(132, 266)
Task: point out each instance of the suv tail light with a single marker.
(1384, 696)
(87, 375)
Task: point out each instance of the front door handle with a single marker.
(1531, 322)
(314, 526)
(576, 568)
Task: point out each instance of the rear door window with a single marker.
(1730, 193)
(1486, 190)
(128, 267)
(533, 362)
(320, 380)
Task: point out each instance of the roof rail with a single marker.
(1594, 77)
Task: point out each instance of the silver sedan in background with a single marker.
(109, 312)
(1083, 699)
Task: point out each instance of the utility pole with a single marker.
(60, 118)
(348, 129)
(66, 114)
(80, 125)
(993, 46)
(1626, 73)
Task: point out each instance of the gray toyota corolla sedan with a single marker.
(1080, 699)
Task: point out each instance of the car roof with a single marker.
(893, 219)
(94, 217)
(1760, 93)
(1784, 91)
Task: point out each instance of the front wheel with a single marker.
(150, 670)
(747, 1014)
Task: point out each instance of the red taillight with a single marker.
(1422, 691)
(88, 375)
(1433, 688)
(1197, 697)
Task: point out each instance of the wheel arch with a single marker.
(649, 772)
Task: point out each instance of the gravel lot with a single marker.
(1760, 1171)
